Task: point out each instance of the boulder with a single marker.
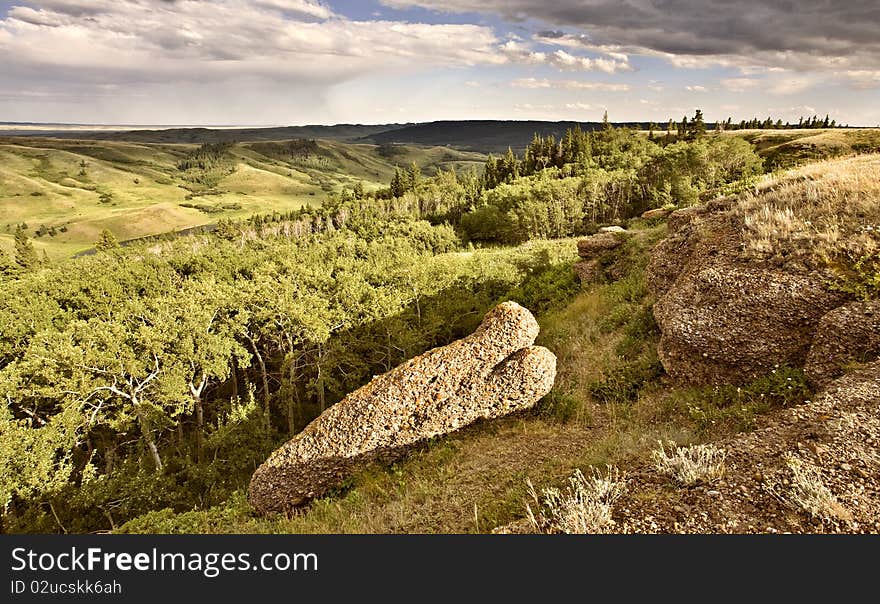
(846, 334)
(657, 213)
(600, 243)
(587, 271)
(493, 372)
(614, 228)
(730, 324)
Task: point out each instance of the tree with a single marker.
(415, 176)
(106, 241)
(398, 184)
(697, 126)
(26, 258)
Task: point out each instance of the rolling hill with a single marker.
(68, 191)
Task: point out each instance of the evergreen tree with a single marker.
(697, 126)
(106, 241)
(398, 186)
(415, 176)
(26, 258)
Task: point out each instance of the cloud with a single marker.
(568, 84)
(863, 78)
(696, 88)
(740, 84)
(293, 40)
(808, 35)
(518, 52)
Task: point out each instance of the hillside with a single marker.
(783, 463)
(68, 191)
(786, 148)
(195, 135)
(146, 384)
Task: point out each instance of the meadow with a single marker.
(68, 191)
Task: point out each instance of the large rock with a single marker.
(725, 317)
(847, 334)
(730, 324)
(493, 372)
(597, 244)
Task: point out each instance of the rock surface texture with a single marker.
(594, 251)
(835, 437)
(847, 334)
(493, 372)
(724, 317)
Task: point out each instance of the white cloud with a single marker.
(519, 52)
(863, 78)
(696, 88)
(568, 84)
(216, 39)
(740, 84)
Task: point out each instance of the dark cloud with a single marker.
(804, 34)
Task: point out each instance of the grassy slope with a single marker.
(786, 148)
(610, 405)
(474, 480)
(136, 190)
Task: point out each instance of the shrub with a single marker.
(808, 492)
(689, 465)
(584, 507)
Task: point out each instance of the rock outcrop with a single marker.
(836, 436)
(731, 324)
(723, 317)
(850, 333)
(656, 214)
(594, 250)
(493, 372)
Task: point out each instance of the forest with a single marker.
(158, 375)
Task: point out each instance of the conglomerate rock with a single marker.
(725, 317)
(850, 333)
(493, 372)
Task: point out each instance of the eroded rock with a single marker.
(725, 317)
(493, 372)
(730, 324)
(850, 333)
(597, 244)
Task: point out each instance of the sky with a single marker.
(295, 62)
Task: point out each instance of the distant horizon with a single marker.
(106, 125)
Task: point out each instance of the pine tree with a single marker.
(106, 241)
(490, 174)
(397, 184)
(415, 176)
(697, 126)
(26, 258)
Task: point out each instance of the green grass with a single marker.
(475, 479)
(136, 189)
(787, 148)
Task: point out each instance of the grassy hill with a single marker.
(488, 136)
(198, 135)
(68, 191)
(786, 148)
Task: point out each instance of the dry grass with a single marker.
(807, 492)
(689, 465)
(824, 210)
(584, 507)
